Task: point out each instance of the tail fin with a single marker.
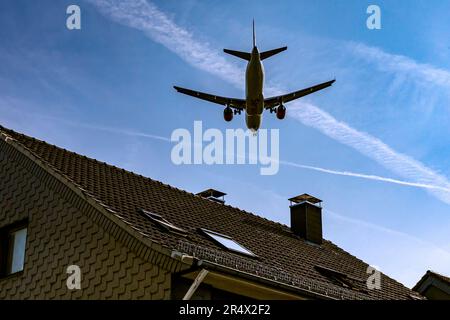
(254, 35)
(239, 54)
(247, 56)
(267, 54)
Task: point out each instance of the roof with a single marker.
(432, 275)
(280, 255)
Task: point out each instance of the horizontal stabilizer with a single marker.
(267, 54)
(239, 54)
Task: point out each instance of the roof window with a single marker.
(227, 242)
(163, 223)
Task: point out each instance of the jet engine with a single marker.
(281, 112)
(228, 114)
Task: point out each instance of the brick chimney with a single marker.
(306, 217)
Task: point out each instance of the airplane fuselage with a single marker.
(254, 84)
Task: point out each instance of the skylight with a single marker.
(159, 220)
(340, 278)
(227, 242)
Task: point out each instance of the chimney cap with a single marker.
(305, 197)
(211, 193)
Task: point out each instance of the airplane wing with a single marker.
(274, 101)
(231, 102)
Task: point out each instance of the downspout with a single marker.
(198, 280)
(194, 265)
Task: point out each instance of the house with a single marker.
(434, 286)
(72, 227)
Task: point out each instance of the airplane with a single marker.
(254, 103)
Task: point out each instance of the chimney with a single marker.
(306, 217)
(213, 195)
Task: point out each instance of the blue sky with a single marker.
(106, 91)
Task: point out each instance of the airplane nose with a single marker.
(253, 122)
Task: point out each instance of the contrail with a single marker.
(121, 131)
(244, 156)
(147, 18)
(114, 130)
(364, 176)
(371, 147)
(400, 64)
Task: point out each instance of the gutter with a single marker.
(203, 265)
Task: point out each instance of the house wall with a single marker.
(63, 232)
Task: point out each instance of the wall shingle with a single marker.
(60, 235)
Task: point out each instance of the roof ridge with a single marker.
(439, 275)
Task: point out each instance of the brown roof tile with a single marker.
(280, 254)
